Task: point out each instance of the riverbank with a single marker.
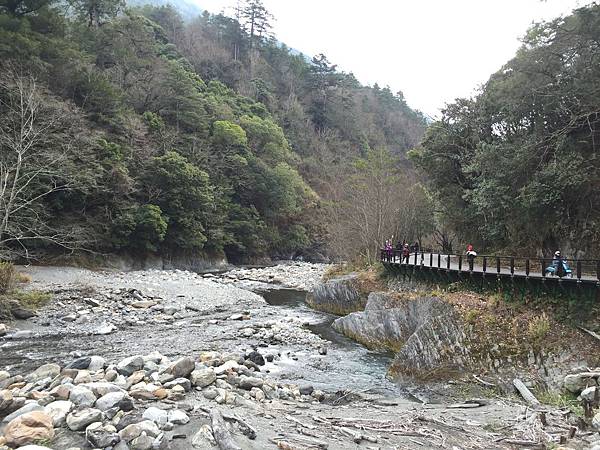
(182, 315)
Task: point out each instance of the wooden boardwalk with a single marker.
(583, 271)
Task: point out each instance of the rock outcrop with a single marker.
(426, 333)
(341, 295)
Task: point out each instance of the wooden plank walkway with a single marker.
(583, 271)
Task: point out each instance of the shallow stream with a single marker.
(346, 366)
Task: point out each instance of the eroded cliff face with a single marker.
(425, 333)
(341, 295)
(439, 338)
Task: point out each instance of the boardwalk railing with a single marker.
(579, 269)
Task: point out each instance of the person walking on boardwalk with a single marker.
(405, 254)
(389, 250)
(471, 254)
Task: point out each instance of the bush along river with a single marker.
(175, 359)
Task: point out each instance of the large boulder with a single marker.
(58, 411)
(576, 383)
(80, 363)
(6, 401)
(426, 333)
(101, 436)
(79, 420)
(156, 415)
(29, 428)
(182, 367)
(203, 377)
(27, 408)
(129, 365)
(111, 400)
(341, 295)
(43, 372)
(82, 396)
(100, 388)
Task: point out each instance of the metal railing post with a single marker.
(497, 264)
(440, 263)
(484, 264)
(579, 270)
(512, 265)
(430, 259)
(527, 267)
(543, 261)
(448, 262)
(459, 263)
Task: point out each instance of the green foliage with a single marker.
(227, 134)
(31, 299)
(167, 136)
(186, 199)
(142, 229)
(265, 137)
(516, 167)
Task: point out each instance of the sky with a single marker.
(432, 50)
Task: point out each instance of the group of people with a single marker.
(559, 265)
(402, 247)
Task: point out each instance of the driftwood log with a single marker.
(221, 433)
(525, 392)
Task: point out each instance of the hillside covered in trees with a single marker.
(517, 167)
(128, 130)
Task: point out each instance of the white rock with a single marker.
(203, 377)
(589, 393)
(58, 411)
(149, 427)
(83, 376)
(178, 417)
(105, 328)
(110, 400)
(100, 388)
(96, 363)
(82, 396)
(80, 419)
(228, 365)
(156, 415)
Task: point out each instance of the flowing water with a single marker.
(347, 365)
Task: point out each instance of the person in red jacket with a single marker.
(471, 254)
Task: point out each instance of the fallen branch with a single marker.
(287, 443)
(221, 433)
(591, 333)
(474, 403)
(522, 443)
(245, 428)
(525, 392)
(485, 383)
(296, 421)
(356, 437)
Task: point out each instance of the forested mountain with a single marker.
(128, 130)
(518, 167)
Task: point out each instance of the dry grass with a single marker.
(538, 329)
(22, 278)
(7, 277)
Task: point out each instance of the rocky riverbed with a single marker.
(175, 359)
